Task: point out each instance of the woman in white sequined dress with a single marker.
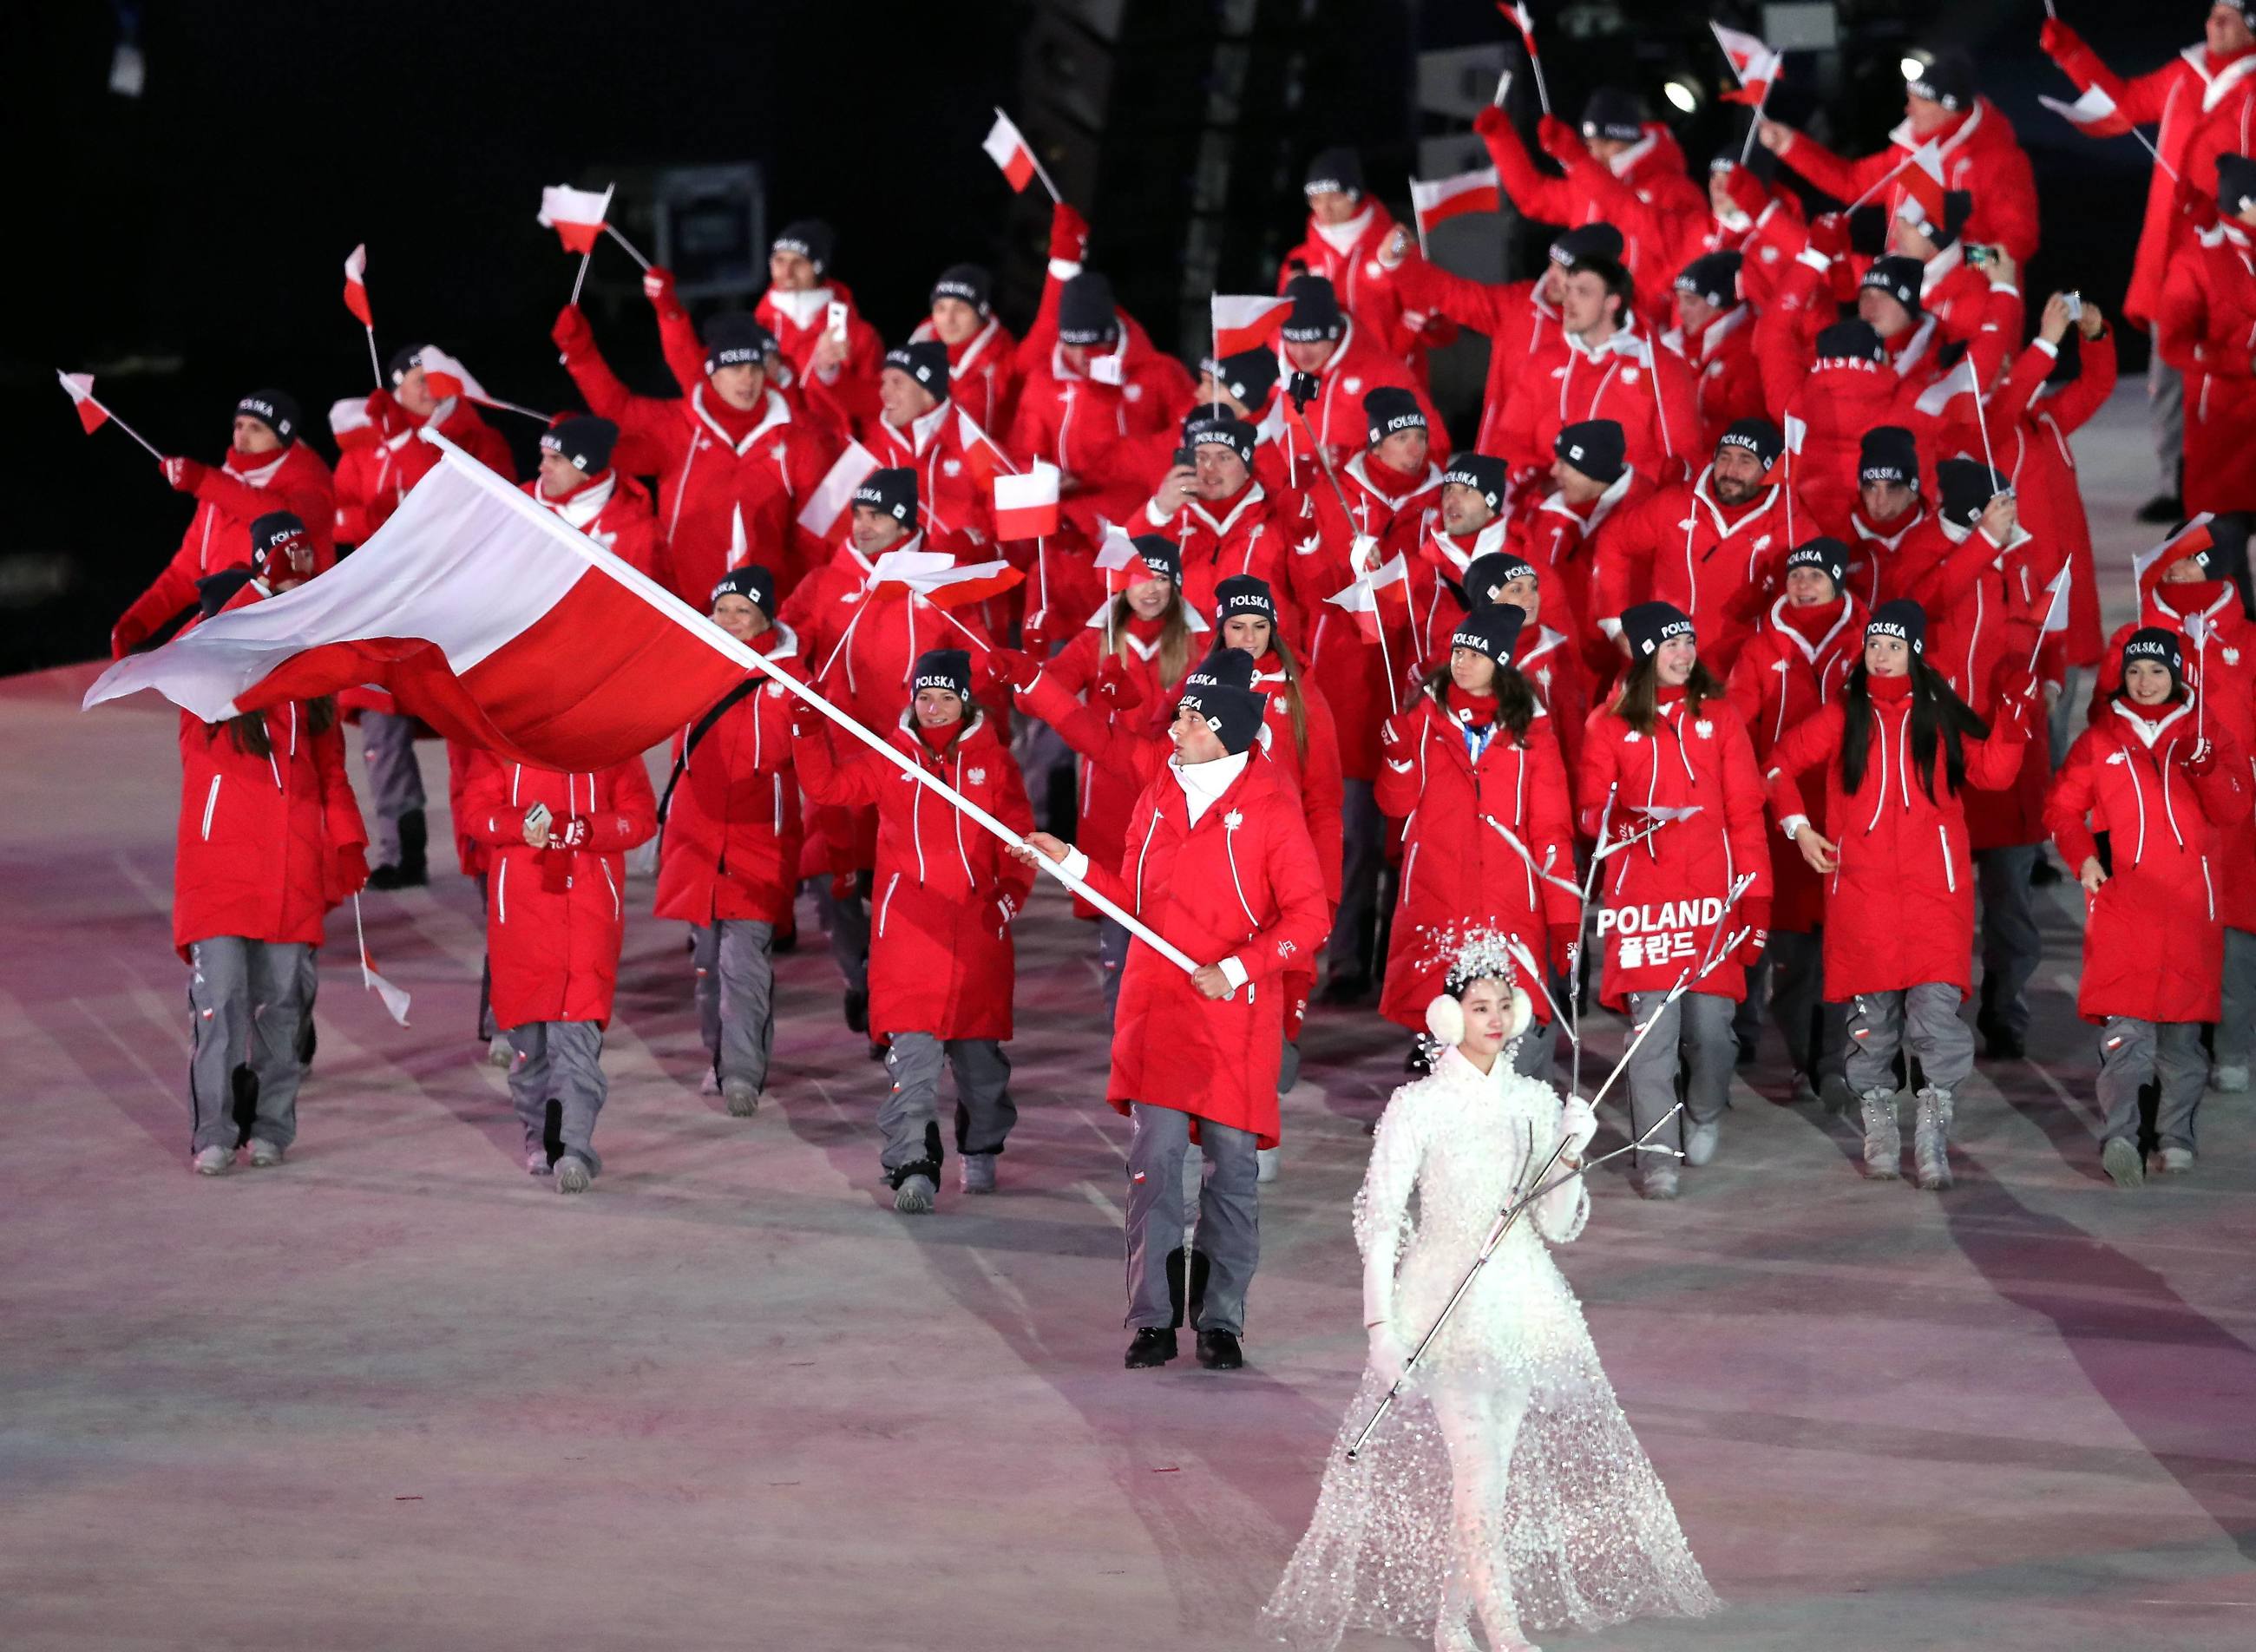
(1504, 1487)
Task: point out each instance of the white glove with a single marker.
(1577, 1124)
(1387, 1354)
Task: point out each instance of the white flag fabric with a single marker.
(2088, 110)
(827, 504)
(576, 215)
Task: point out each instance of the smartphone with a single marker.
(1106, 370)
(2074, 301)
(838, 318)
(1184, 456)
(1977, 255)
(538, 817)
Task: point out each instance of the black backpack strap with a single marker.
(698, 730)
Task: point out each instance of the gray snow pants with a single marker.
(736, 995)
(1926, 1019)
(1228, 1216)
(909, 1119)
(1362, 856)
(1693, 1039)
(847, 922)
(559, 1063)
(2238, 1008)
(395, 783)
(2134, 1053)
(244, 1014)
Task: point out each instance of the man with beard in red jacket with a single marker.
(1220, 863)
(833, 357)
(982, 367)
(1715, 335)
(1348, 231)
(577, 486)
(267, 468)
(1344, 363)
(1980, 153)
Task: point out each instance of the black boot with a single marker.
(1218, 1351)
(552, 1132)
(413, 868)
(857, 1009)
(1152, 1346)
(2000, 1040)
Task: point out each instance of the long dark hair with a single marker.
(1174, 636)
(1938, 717)
(1515, 701)
(247, 731)
(1639, 703)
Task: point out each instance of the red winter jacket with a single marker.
(1681, 546)
(2045, 415)
(1561, 541)
(982, 374)
(863, 663)
(1834, 399)
(1653, 169)
(1552, 663)
(1251, 533)
(1459, 872)
(2203, 107)
(1793, 666)
(256, 854)
(555, 916)
(1360, 363)
(1980, 155)
(612, 509)
(2208, 322)
(2154, 938)
(956, 509)
(1899, 907)
(730, 846)
(1882, 557)
(799, 320)
(1314, 773)
(1664, 897)
(1984, 606)
(230, 497)
(403, 459)
(1524, 343)
(1348, 257)
(941, 958)
(1647, 391)
(1726, 373)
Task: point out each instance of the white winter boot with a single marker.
(1931, 1140)
(1883, 1140)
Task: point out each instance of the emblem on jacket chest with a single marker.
(1232, 820)
(976, 777)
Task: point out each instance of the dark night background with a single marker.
(186, 246)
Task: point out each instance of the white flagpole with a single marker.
(1040, 172)
(1418, 218)
(374, 366)
(1754, 125)
(612, 232)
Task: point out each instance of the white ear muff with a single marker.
(1523, 1012)
(1445, 1019)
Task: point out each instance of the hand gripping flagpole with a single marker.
(1347, 514)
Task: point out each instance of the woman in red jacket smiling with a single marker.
(1898, 749)
(941, 968)
(2162, 783)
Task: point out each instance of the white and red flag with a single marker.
(349, 423)
(79, 388)
(1757, 66)
(826, 506)
(1522, 19)
(444, 376)
(487, 617)
(2190, 540)
(1007, 147)
(357, 286)
(2090, 110)
(1245, 321)
(1922, 179)
(576, 215)
(938, 578)
(1027, 506)
(981, 456)
(1961, 380)
(1442, 199)
(1384, 594)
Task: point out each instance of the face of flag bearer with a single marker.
(876, 530)
(902, 398)
(740, 616)
(937, 708)
(1463, 510)
(1250, 633)
(1334, 206)
(954, 320)
(792, 272)
(1405, 451)
(1221, 474)
(559, 475)
(1886, 316)
(742, 384)
(252, 435)
(1472, 671)
(415, 394)
(2228, 31)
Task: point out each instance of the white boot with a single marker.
(738, 1096)
(1883, 1140)
(1931, 1140)
(213, 1161)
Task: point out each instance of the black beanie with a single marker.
(1160, 555)
(1851, 341)
(1490, 573)
(1898, 275)
(1890, 453)
(737, 340)
(1490, 629)
(948, 668)
(276, 409)
(1337, 172)
(1596, 447)
(1484, 475)
(1222, 430)
(811, 239)
(1829, 556)
(1386, 409)
(1967, 486)
(1315, 312)
(404, 360)
(1243, 594)
(2153, 642)
(1220, 688)
(1649, 624)
(1757, 436)
(1249, 376)
(2236, 184)
(1903, 620)
(1588, 241)
(281, 534)
(926, 362)
(1085, 310)
(215, 591)
(1614, 113)
(583, 439)
(966, 281)
(1947, 78)
(892, 491)
(1713, 276)
(752, 583)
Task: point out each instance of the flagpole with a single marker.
(1418, 218)
(374, 365)
(582, 276)
(1754, 124)
(1535, 62)
(1040, 172)
(510, 407)
(631, 252)
(120, 423)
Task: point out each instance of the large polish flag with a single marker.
(485, 615)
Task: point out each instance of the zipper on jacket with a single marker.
(211, 802)
(500, 892)
(1410, 872)
(1950, 873)
(2207, 889)
(618, 911)
(886, 905)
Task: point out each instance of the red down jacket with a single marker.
(230, 497)
(731, 841)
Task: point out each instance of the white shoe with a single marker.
(213, 1161)
(2228, 1080)
(2170, 1162)
(536, 1162)
(265, 1155)
(498, 1053)
(975, 1172)
(914, 1196)
(573, 1174)
(2120, 1158)
(1269, 1160)
(1700, 1141)
(738, 1096)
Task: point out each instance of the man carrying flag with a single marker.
(1347, 228)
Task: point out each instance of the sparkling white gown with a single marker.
(1505, 1484)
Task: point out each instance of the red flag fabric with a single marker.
(1921, 177)
(1243, 323)
(981, 456)
(1027, 506)
(826, 506)
(940, 579)
(1008, 149)
(1520, 19)
(1447, 198)
(357, 286)
(1754, 64)
(79, 388)
(576, 215)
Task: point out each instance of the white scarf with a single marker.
(1205, 783)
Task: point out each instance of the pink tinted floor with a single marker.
(399, 1394)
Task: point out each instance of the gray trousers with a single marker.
(2012, 945)
(736, 995)
(559, 1062)
(1228, 1216)
(243, 999)
(2165, 411)
(1362, 855)
(2238, 1008)
(1791, 980)
(847, 922)
(486, 1027)
(1112, 940)
(985, 1112)
(1693, 1039)
(1926, 1019)
(395, 782)
(2134, 1053)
